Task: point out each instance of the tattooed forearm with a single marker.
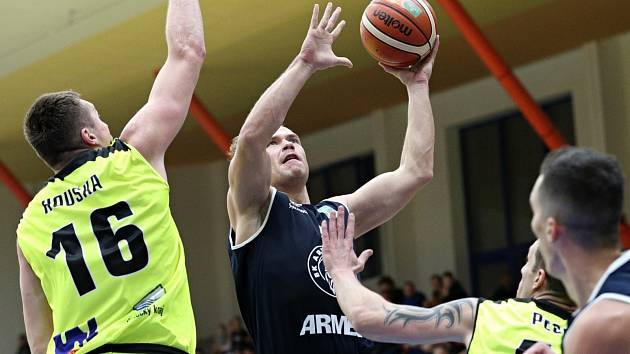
(450, 312)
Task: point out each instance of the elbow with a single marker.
(418, 177)
(250, 137)
(365, 323)
(424, 177)
(193, 52)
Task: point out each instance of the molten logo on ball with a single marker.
(390, 21)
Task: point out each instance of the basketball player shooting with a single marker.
(107, 197)
(275, 243)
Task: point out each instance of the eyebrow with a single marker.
(288, 136)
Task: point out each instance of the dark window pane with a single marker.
(345, 177)
(500, 163)
(484, 195)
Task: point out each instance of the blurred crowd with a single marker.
(444, 288)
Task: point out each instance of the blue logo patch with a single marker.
(75, 336)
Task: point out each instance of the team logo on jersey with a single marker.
(318, 273)
(150, 298)
(75, 337)
(297, 207)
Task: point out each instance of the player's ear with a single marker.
(553, 229)
(88, 137)
(540, 280)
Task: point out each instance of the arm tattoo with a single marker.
(451, 312)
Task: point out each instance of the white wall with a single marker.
(426, 237)
(198, 204)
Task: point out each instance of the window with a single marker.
(501, 158)
(345, 177)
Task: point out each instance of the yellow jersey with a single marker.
(101, 239)
(514, 325)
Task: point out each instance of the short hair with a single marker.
(583, 189)
(52, 125)
(551, 283)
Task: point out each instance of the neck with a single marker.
(296, 191)
(584, 269)
(560, 300)
(300, 197)
(66, 158)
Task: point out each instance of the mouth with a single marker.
(290, 157)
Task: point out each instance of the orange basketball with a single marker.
(398, 33)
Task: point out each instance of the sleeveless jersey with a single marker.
(285, 295)
(101, 239)
(613, 285)
(514, 325)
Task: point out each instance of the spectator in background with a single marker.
(441, 349)
(436, 291)
(221, 343)
(387, 289)
(507, 288)
(412, 297)
(23, 347)
(452, 289)
(239, 338)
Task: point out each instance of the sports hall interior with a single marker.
(473, 218)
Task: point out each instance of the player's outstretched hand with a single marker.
(419, 73)
(317, 47)
(337, 244)
(539, 348)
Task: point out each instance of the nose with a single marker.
(287, 145)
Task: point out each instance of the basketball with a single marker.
(398, 33)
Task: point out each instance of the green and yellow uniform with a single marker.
(102, 241)
(512, 326)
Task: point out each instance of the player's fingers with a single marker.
(326, 16)
(315, 16)
(539, 348)
(350, 229)
(434, 50)
(325, 237)
(364, 256)
(337, 31)
(388, 69)
(343, 61)
(333, 19)
(341, 223)
(332, 226)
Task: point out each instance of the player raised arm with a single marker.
(156, 124)
(374, 317)
(382, 197)
(37, 314)
(248, 194)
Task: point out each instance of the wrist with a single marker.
(342, 273)
(420, 85)
(304, 64)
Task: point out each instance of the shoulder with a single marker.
(602, 328)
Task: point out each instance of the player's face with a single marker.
(99, 128)
(540, 227)
(528, 273)
(288, 158)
